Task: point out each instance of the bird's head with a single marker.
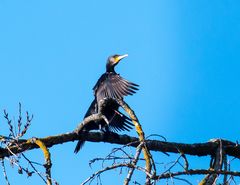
(113, 61)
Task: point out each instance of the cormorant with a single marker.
(111, 86)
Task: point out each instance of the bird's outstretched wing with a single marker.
(119, 122)
(112, 85)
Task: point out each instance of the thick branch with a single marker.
(198, 149)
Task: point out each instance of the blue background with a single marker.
(183, 54)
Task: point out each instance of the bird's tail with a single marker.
(79, 146)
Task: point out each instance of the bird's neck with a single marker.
(110, 69)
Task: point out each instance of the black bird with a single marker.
(111, 86)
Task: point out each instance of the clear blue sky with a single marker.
(184, 55)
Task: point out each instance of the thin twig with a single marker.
(20, 168)
(26, 125)
(33, 167)
(196, 172)
(186, 164)
(128, 165)
(184, 180)
(19, 118)
(174, 163)
(9, 122)
(111, 158)
(4, 172)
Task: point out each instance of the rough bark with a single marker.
(197, 149)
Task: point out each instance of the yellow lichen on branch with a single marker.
(47, 157)
(139, 130)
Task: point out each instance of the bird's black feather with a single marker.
(112, 85)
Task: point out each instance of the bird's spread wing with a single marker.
(112, 85)
(119, 122)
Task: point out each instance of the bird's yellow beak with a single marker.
(120, 57)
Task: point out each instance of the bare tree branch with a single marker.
(13, 147)
(128, 165)
(197, 149)
(146, 153)
(134, 162)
